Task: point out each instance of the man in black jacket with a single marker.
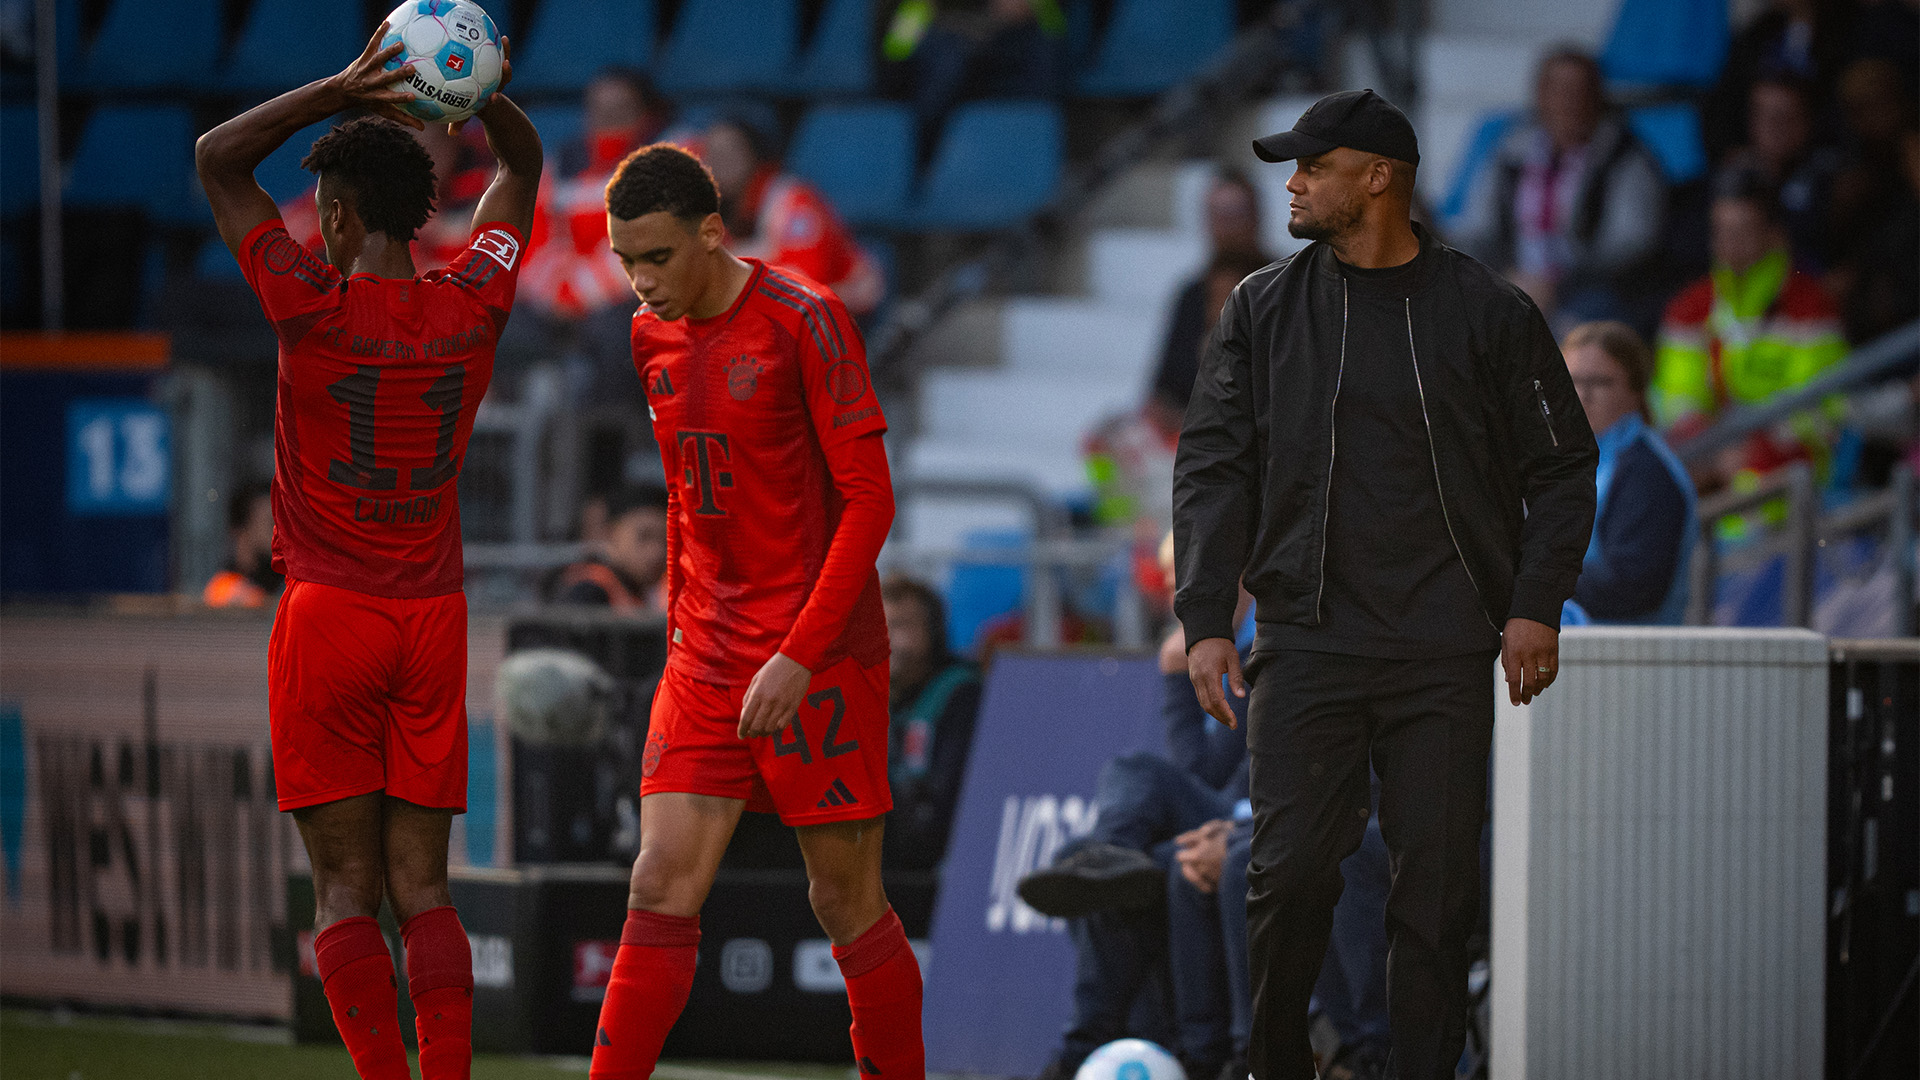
(1384, 442)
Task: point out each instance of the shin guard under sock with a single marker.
(652, 974)
(356, 970)
(883, 989)
(440, 981)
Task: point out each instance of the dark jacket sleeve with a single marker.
(1180, 351)
(1639, 540)
(1216, 491)
(1197, 743)
(1555, 460)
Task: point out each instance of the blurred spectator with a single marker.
(1876, 202)
(1780, 147)
(933, 697)
(939, 54)
(782, 219)
(1645, 526)
(626, 568)
(622, 111)
(1573, 208)
(1801, 39)
(1233, 236)
(248, 580)
(1753, 328)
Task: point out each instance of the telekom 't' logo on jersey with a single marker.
(704, 454)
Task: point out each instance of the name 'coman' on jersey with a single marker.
(742, 406)
(379, 382)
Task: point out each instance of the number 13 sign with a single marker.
(118, 461)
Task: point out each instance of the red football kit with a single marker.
(379, 380)
(778, 504)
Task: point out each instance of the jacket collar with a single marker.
(1326, 264)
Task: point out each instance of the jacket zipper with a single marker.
(1333, 447)
(1434, 452)
(1545, 413)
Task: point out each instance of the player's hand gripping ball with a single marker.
(455, 52)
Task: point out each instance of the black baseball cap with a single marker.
(1356, 119)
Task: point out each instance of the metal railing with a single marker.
(1042, 605)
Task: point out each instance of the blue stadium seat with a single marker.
(1672, 132)
(19, 159)
(139, 48)
(860, 156)
(557, 125)
(839, 59)
(1667, 42)
(281, 173)
(724, 46)
(1493, 127)
(1151, 45)
(213, 262)
(288, 43)
(997, 162)
(138, 156)
(568, 42)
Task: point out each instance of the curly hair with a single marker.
(385, 171)
(662, 177)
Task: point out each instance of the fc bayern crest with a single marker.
(743, 377)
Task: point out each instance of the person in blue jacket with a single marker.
(1646, 522)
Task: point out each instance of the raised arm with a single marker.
(516, 146)
(227, 155)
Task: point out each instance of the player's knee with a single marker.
(657, 887)
(346, 887)
(846, 904)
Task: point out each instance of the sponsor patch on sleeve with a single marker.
(499, 245)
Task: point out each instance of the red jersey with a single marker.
(756, 412)
(379, 381)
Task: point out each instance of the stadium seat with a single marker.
(138, 156)
(281, 173)
(139, 48)
(725, 46)
(1667, 42)
(213, 262)
(860, 156)
(1672, 132)
(1492, 128)
(1150, 45)
(19, 159)
(289, 43)
(557, 125)
(567, 43)
(997, 162)
(839, 58)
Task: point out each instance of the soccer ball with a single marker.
(455, 52)
(1130, 1059)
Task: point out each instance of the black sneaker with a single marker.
(1098, 877)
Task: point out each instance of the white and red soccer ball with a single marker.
(455, 52)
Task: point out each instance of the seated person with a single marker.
(1753, 328)
(1234, 250)
(1781, 147)
(248, 580)
(781, 219)
(1572, 207)
(625, 569)
(933, 697)
(1645, 525)
(938, 55)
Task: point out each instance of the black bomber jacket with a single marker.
(1513, 456)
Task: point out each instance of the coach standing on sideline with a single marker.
(1384, 439)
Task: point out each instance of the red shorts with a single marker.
(368, 693)
(830, 764)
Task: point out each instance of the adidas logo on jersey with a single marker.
(837, 795)
(662, 386)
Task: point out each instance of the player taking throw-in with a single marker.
(381, 371)
(775, 693)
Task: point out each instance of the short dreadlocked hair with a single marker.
(662, 177)
(385, 171)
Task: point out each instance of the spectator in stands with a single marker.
(1876, 202)
(1753, 328)
(1233, 236)
(248, 580)
(1635, 569)
(938, 55)
(622, 111)
(782, 219)
(1805, 40)
(933, 697)
(626, 569)
(1573, 207)
(1780, 147)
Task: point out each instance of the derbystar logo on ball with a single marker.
(454, 49)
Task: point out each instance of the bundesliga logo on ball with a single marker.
(455, 52)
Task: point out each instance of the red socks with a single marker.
(883, 988)
(440, 980)
(652, 974)
(357, 972)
